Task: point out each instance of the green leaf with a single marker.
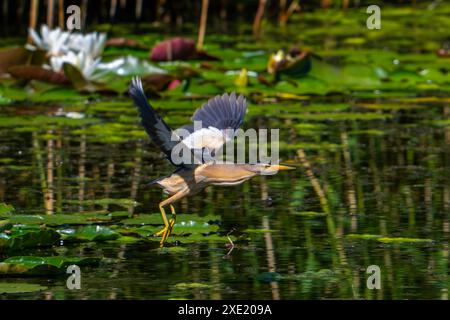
(192, 285)
(22, 237)
(32, 265)
(75, 76)
(16, 288)
(88, 233)
(310, 214)
(182, 219)
(70, 219)
(403, 240)
(5, 225)
(4, 208)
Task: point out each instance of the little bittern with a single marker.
(218, 117)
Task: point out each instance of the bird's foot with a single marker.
(165, 232)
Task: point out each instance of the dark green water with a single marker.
(380, 150)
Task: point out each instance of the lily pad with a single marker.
(388, 240)
(403, 240)
(174, 249)
(145, 219)
(320, 275)
(21, 237)
(363, 236)
(310, 214)
(343, 116)
(88, 233)
(32, 265)
(17, 288)
(70, 219)
(192, 285)
(4, 208)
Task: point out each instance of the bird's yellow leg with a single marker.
(172, 221)
(166, 223)
(169, 227)
(174, 214)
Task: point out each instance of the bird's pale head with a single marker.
(268, 169)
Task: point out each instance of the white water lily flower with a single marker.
(130, 65)
(92, 44)
(53, 41)
(57, 42)
(87, 65)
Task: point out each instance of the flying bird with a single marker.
(220, 118)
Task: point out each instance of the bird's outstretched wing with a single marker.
(214, 125)
(222, 112)
(219, 119)
(161, 134)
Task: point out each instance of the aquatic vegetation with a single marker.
(88, 233)
(294, 63)
(192, 285)
(21, 236)
(20, 288)
(54, 42)
(389, 240)
(310, 214)
(4, 208)
(403, 240)
(368, 109)
(33, 265)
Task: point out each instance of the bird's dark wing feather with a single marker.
(222, 112)
(161, 134)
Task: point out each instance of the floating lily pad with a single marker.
(155, 218)
(389, 240)
(310, 214)
(343, 116)
(4, 208)
(192, 285)
(174, 249)
(21, 237)
(192, 226)
(70, 219)
(32, 265)
(128, 239)
(388, 106)
(326, 275)
(17, 288)
(44, 120)
(88, 233)
(363, 236)
(403, 240)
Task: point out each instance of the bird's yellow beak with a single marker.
(282, 167)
